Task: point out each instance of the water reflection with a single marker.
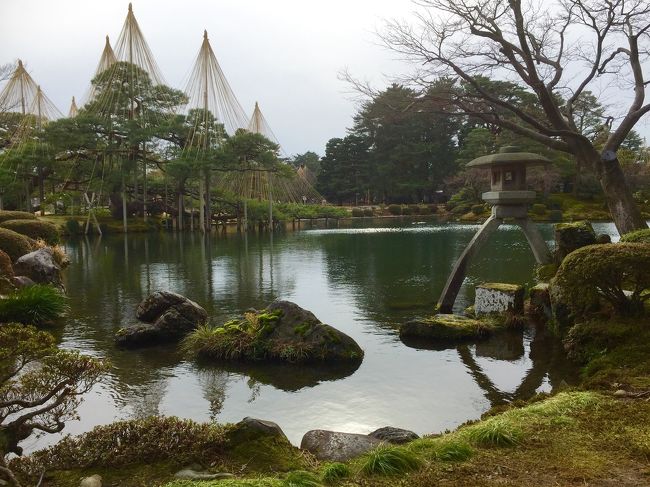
(362, 281)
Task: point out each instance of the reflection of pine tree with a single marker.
(214, 383)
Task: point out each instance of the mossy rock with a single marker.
(572, 236)
(262, 446)
(14, 244)
(16, 215)
(283, 331)
(540, 300)
(34, 229)
(446, 327)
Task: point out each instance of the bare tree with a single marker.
(559, 52)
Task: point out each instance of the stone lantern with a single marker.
(509, 198)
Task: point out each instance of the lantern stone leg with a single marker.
(536, 241)
(455, 280)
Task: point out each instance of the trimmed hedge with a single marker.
(395, 209)
(357, 212)
(538, 209)
(122, 443)
(6, 269)
(15, 215)
(478, 209)
(640, 236)
(15, 244)
(34, 229)
(605, 271)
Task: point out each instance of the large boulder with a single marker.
(282, 331)
(41, 267)
(166, 317)
(261, 445)
(572, 236)
(300, 326)
(335, 446)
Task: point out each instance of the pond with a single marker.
(364, 280)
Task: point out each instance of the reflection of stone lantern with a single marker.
(509, 198)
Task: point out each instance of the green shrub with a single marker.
(34, 229)
(333, 472)
(406, 210)
(389, 460)
(461, 209)
(640, 236)
(604, 271)
(555, 215)
(34, 305)
(395, 209)
(433, 208)
(301, 478)
(357, 212)
(15, 215)
(73, 227)
(368, 212)
(6, 269)
(425, 210)
(15, 244)
(135, 441)
(478, 209)
(414, 209)
(538, 209)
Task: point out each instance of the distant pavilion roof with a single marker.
(509, 155)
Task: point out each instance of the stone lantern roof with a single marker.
(508, 156)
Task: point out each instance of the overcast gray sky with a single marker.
(286, 54)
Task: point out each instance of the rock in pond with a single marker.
(334, 446)
(446, 327)
(394, 435)
(496, 297)
(167, 317)
(41, 267)
(282, 331)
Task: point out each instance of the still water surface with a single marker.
(363, 280)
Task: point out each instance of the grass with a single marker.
(335, 472)
(494, 432)
(302, 478)
(36, 305)
(389, 460)
(443, 449)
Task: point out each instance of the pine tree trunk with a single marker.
(622, 207)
